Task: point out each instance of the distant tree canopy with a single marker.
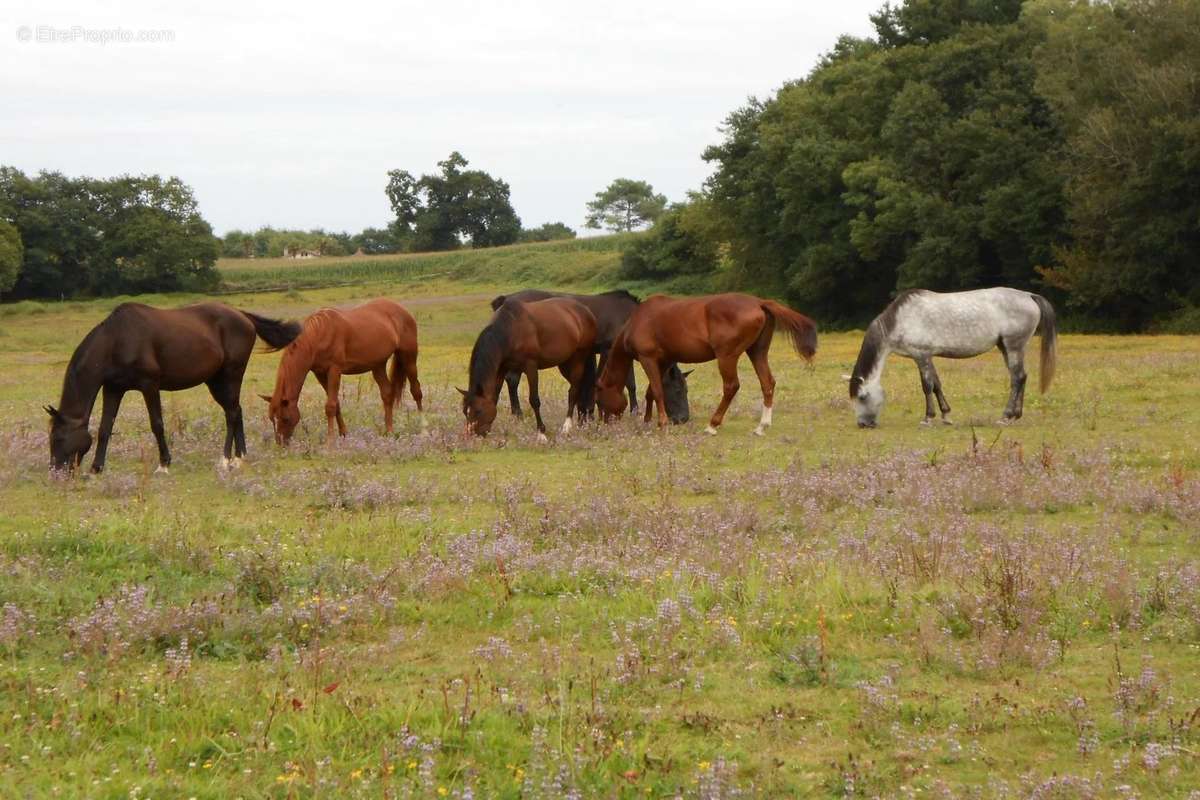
(440, 211)
(680, 244)
(625, 205)
(549, 232)
(1052, 145)
(121, 235)
(11, 254)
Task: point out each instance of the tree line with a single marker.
(1051, 145)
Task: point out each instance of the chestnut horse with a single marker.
(527, 337)
(721, 326)
(143, 349)
(334, 343)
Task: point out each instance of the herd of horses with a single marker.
(149, 350)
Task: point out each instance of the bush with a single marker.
(676, 246)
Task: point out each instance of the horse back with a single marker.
(175, 348)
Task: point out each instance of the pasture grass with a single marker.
(959, 611)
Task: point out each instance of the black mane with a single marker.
(492, 344)
(621, 293)
(877, 331)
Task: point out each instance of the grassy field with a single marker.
(624, 612)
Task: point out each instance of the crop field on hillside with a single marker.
(965, 611)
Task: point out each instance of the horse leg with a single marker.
(654, 378)
(631, 388)
(409, 361)
(925, 369)
(730, 384)
(227, 397)
(1014, 358)
(154, 409)
(513, 379)
(649, 404)
(112, 404)
(573, 371)
(333, 404)
(758, 358)
(936, 382)
(386, 395)
(535, 401)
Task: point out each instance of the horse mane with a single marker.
(877, 331)
(621, 293)
(489, 348)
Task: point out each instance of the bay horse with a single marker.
(920, 324)
(528, 337)
(148, 350)
(721, 326)
(611, 310)
(334, 343)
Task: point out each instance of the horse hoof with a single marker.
(710, 430)
(162, 470)
(925, 423)
(947, 421)
(566, 426)
(543, 438)
(224, 463)
(760, 431)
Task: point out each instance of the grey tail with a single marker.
(1048, 328)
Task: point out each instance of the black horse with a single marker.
(611, 310)
(144, 349)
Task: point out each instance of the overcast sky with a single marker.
(290, 115)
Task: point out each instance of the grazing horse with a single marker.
(527, 337)
(721, 326)
(611, 310)
(920, 324)
(334, 343)
(148, 350)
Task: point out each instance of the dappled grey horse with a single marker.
(920, 324)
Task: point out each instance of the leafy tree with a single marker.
(625, 205)
(678, 244)
(153, 238)
(439, 211)
(11, 253)
(375, 241)
(549, 232)
(924, 157)
(1122, 78)
(86, 236)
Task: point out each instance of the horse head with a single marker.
(69, 440)
(479, 409)
(867, 398)
(675, 389)
(284, 415)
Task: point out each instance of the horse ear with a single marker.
(463, 392)
(689, 372)
(52, 411)
(846, 377)
(266, 397)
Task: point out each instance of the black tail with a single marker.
(277, 333)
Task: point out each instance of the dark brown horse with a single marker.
(527, 337)
(611, 310)
(148, 350)
(664, 330)
(334, 343)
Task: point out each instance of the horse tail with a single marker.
(277, 333)
(498, 301)
(397, 377)
(799, 328)
(1048, 328)
(587, 390)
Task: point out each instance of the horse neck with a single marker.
(619, 361)
(85, 377)
(487, 360)
(872, 356)
(297, 360)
